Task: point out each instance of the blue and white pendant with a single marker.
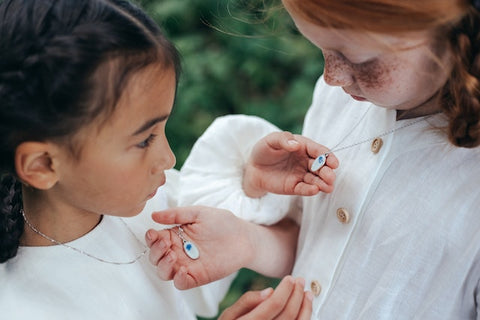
(319, 162)
(191, 250)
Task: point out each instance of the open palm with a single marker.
(223, 250)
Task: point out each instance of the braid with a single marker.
(11, 220)
(461, 95)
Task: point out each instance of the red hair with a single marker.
(457, 24)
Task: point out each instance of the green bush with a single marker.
(239, 57)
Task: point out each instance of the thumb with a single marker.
(283, 141)
(245, 304)
(181, 215)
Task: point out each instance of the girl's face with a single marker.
(122, 161)
(402, 73)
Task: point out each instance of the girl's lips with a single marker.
(358, 98)
(151, 195)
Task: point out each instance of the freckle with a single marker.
(376, 74)
(333, 67)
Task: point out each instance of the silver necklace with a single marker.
(83, 252)
(319, 162)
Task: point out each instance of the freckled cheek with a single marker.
(381, 83)
(376, 76)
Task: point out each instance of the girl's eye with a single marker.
(146, 143)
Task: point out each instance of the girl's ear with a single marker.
(34, 164)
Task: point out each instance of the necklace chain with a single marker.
(386, 133)
(83, 252)
(320, 161)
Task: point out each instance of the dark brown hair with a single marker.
(64, 63)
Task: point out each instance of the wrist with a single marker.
(254, 236)
(251, 184)
(273, 248)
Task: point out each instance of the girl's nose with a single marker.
(337, 72)
(165, 159)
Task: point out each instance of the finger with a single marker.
(327, 175)
(184, 280)
(306, 189)
(306, 309)
(166, 266)
(321, 177)
(314, 184)
(283, 141)
(332, 161)
(159, 248)
(272, 306)
(150, 237)
(294, 304)
(180, 215)
(313, 149)
(245, 304)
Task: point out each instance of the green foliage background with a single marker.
(239, 57)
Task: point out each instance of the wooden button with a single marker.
(316, 288)
(377, 144)
(343, 215)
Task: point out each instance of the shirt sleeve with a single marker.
(212, 174)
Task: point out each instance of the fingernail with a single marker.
(301, 281)
(292, 142)
(266, 292)
(150, 234)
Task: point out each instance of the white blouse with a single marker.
(399, 238)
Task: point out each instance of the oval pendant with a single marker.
(191, 250)
(319, 162)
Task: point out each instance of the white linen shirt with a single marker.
(399, 237)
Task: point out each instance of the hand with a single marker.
(221, 238)
(226, 244)
(280, 163)
(288, 301)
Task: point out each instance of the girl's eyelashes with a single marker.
(146, 143)
(357, 64)
(365, 64)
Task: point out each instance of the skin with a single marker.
(121, 165)
(280, 163)
(288, 301)
(201, 226)
(394, 72)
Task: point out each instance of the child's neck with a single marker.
(54, 220)
(431, 106)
